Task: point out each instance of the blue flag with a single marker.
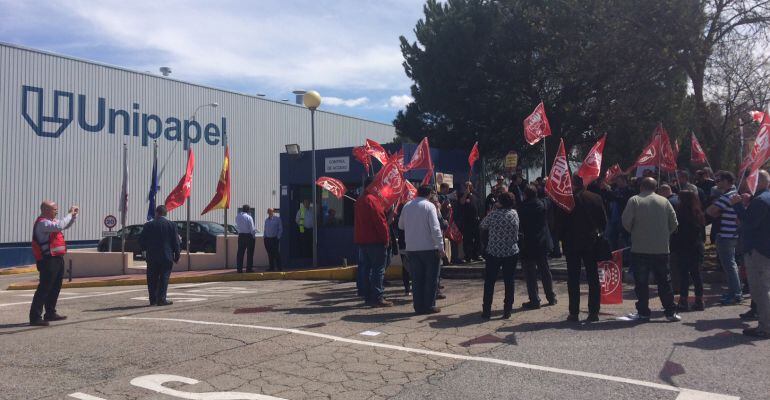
(153, 190)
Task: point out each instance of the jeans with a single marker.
(493, 266)
(758, 272)
(405, 272)
(423, 266)
(659, 265)
(51, 271)
(689, 262)
(577, 259)
(532, 266)
(726, 253)
(372, 260)
(157, 280)
(245, 246)
(272, 246)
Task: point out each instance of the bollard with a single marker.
(345, 262)
(69, 272)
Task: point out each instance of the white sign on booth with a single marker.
(337, 164)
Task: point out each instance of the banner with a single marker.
(474, 156)
(334, 186)
(559, 184)
(388, 185)
(592, 165)
(221, 199)
(536, 126)
(697, 155)
(611, 279)
(182, 190)
(421, 157)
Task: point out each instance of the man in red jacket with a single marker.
(372, 237)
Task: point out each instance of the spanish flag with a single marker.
(222, 196)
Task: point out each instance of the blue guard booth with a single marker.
(335, 218)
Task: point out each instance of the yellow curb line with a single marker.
(18, 270)
(333, 274)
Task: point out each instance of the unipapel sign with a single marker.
(115, 121)
(337, 164)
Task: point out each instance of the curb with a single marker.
(18, 270)
(326, 274)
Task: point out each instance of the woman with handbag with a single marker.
(501, 227)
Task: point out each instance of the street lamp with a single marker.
(312, 100)
(189, 149)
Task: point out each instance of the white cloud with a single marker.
(400, 101)
(336, 101)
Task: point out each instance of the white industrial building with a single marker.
(63, 123)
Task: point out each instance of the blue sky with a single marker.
(347, 50)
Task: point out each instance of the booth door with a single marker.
(297, 193)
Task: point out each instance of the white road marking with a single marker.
(155, 384)
(83, 396)
(369, 333)
(684, 394)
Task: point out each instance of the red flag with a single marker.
(398, 157)
(474, 156)
(697, 155)
(612, 173)
(182, 190)
(658, 152)
(388, 185)
(760, 153)
(536, 125)
(592, 165)
(409, 194)
(375, 150)
(559, 185)
(758, 116)
(222, 195)
(362, 155)
(650, 154)
(334, 186)
(421, 157)
(668, 159)
(611, 279)
(453, 232)
(426, 178)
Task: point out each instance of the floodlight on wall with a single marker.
(166, 71)
(292, 149)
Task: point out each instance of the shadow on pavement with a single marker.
(604, 325)
(378, 318)
(704, 325)
(121, 308)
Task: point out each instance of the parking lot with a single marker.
(301, 339)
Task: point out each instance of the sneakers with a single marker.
(673, 317)
(54, 317)
(530, 305)
(756, 333)
(750, 315)
(638, 317)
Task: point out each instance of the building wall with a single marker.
(85, 168)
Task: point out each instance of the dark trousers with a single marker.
(372, 260)
(577, 259)
(157, 280)
(245, 246)
(492, 269)
(471, 242)
(532, 266)
(405, 271)
(688, 262)
(658, 264)
(272, 246)
(47, 294)
(423, 266)
(306, 243)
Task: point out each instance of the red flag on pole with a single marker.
(222, 195)
(388, 185)
(398, 157)
(760, 153)
(592, 165)
(375, 150)
(611, 279)
(182, 190)
(362, 155)
(697, 155)
(559, 185)
(474, 156)
(536, 126)
(334, 186)
(453, 232)
(758, 116)
(658, 152)
(421, 157)
(409, 194)
(668, 159)
(612, 173)
(426, 178)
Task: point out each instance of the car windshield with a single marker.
(213, 227)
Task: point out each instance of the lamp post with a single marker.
(189, 148)
(312, 100)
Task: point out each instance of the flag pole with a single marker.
(545, 164)
(227, 206)
(123, 204)
(187, 239)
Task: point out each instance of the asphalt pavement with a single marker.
(308, 340)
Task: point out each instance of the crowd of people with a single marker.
(660, 225)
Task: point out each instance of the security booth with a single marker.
(335, 216)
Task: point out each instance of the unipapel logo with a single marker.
(116, 121)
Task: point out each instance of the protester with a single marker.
(617, 198)
(704, 181)
(664, 190)
(727, 236)
(502, 229)
(688, 245)
(579, 231)
(304, 221)
(651, 219)
(424, 248)
(371, 234)
(272, 236)
(405, 277)
(755, 229)
(491, 201)
(535, 244)
(247, 232)
(49, 247)
(468, 210)
(160, 240)
(444, 224)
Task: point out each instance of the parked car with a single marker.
(202, 237)
(132, 241)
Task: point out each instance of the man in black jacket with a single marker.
(160, 241)
(578, 232)
(534, 246)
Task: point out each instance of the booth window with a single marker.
(336, 212)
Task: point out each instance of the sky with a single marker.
(347, 50)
